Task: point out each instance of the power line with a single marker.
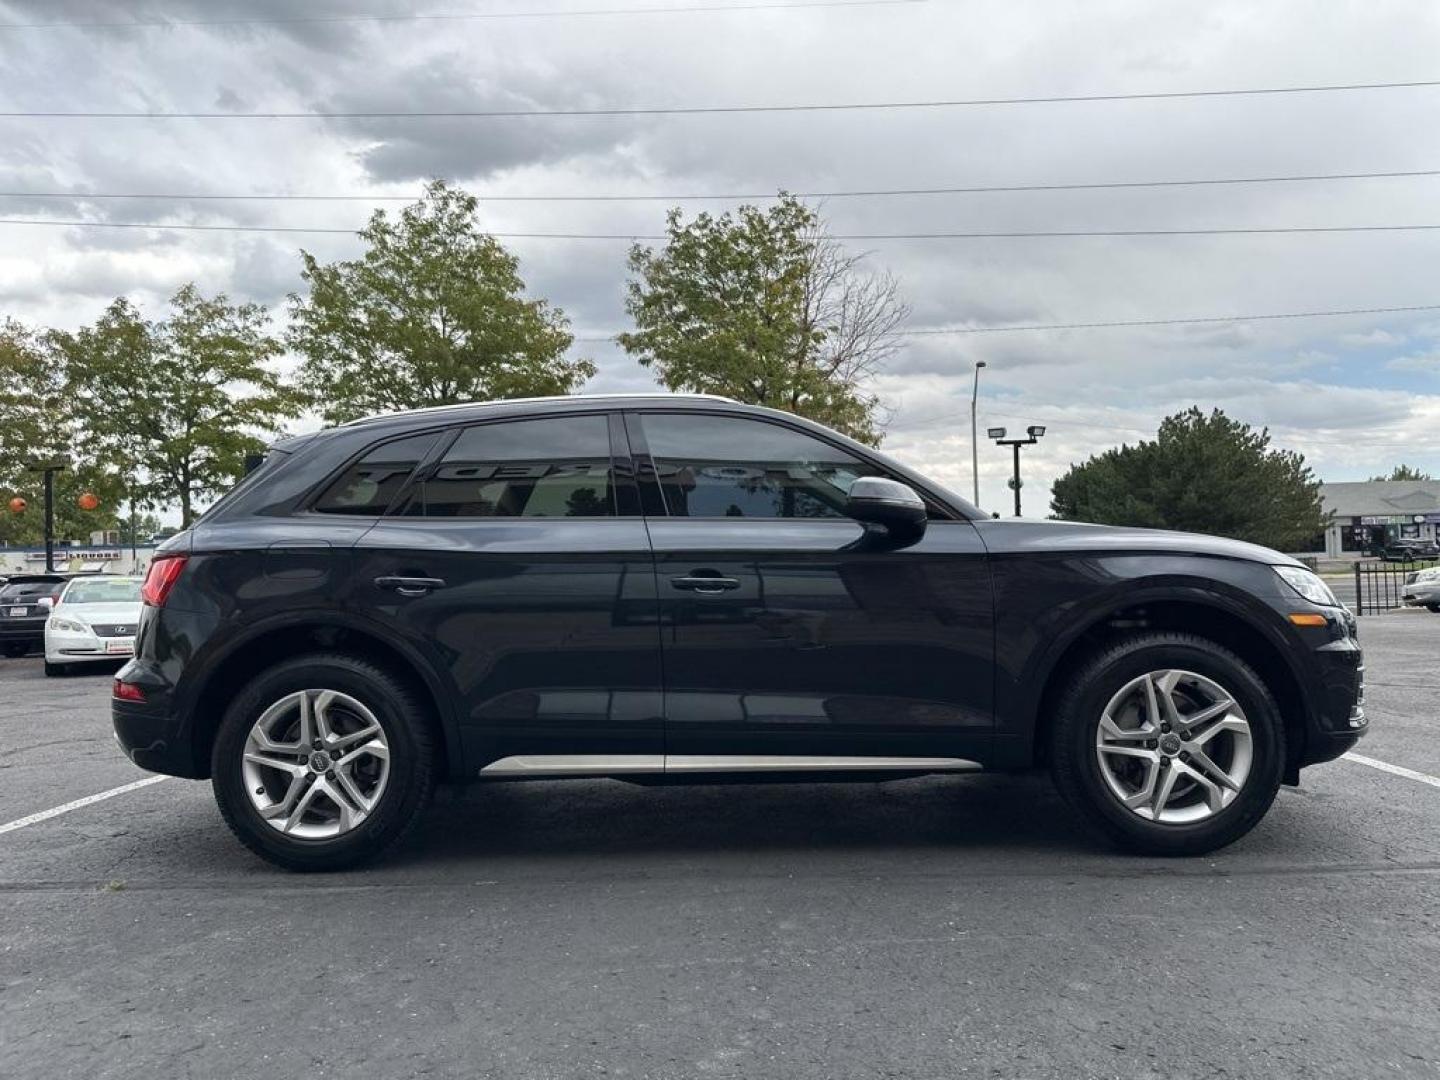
(634, 237)
(698, 110)
(707, 9)
(939, 331)
(83, 196)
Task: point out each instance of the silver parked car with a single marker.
(1422, 589)
(94, 619)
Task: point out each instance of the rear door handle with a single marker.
(410, 586)
(705, 583)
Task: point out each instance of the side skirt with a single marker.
(537, 766)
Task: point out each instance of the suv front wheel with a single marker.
(1168, 744)
(323, 762)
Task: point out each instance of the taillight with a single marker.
(164, 571)
(128, 691)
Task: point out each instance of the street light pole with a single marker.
(974, 439)
(49, 469)
(1035, 431)
(1016, 479)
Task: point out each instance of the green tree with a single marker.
(177, 403)
(38, 422)
(1405, 472)
(764, 307)
(145, 526)
(431, 314)
(1206, 474)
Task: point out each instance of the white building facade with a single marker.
(1368, 514)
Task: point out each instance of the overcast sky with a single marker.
(1356, 394)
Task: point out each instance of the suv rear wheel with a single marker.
(324, 762)
(1168, 744)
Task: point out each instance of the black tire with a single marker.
(56, 670)
(412, 768)
(16, 649)
(1433, 607)
(1075, 766)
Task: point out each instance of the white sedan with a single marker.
(94, 619)
(1422, 589)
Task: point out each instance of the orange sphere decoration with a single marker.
(17, 505)
(87, 501)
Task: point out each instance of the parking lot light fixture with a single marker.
(1034, 431)
(995, 432)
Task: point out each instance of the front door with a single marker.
(786, 631)
(520, 562)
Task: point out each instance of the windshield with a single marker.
(104, 591)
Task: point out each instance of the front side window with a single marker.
(371, 484)
(724, 466)
(522, 468)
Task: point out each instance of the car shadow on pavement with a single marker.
(618, 820)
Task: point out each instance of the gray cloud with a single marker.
(1317, 382)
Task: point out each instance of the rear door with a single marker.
(784, 632)
(518, 559)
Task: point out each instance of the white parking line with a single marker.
(1397, 770)
(46, 815)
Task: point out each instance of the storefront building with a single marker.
(1368, 514)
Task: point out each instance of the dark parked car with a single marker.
(669, 589)
(25, 604)
(1410, 551)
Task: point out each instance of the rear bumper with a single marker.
(22, 629)
(149, 738)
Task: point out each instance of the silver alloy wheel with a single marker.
(1174, 747)
(316, 764)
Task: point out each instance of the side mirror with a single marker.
(890, 504)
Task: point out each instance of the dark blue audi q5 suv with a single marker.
(671, 589)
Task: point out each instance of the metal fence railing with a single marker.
(1378, 585)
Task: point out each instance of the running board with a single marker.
(558, 765)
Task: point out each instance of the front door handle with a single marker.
(705, 583)
(410, 586)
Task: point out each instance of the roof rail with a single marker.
(442, 409)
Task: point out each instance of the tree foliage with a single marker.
(177, 403)
(1206, 474)
(1405, 472)
(39, 422)
(431, 314)
(764, 307)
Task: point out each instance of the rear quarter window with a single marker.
(369, 485)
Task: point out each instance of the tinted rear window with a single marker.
(522, 468)
(369, 485)
(18, 589)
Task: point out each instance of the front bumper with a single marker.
(1336, 680)
(65, 647)
(1420, 595)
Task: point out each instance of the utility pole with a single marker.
(974, 440)
(134, 540)
(1035, 431)
(49, 469)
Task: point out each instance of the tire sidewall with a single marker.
(1246, 688)
(406, 788)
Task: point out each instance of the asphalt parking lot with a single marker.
(942, 927)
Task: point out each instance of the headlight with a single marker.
(68, 626)
(1308, 584)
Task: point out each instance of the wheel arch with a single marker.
(1216, 617)
(267, 643)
